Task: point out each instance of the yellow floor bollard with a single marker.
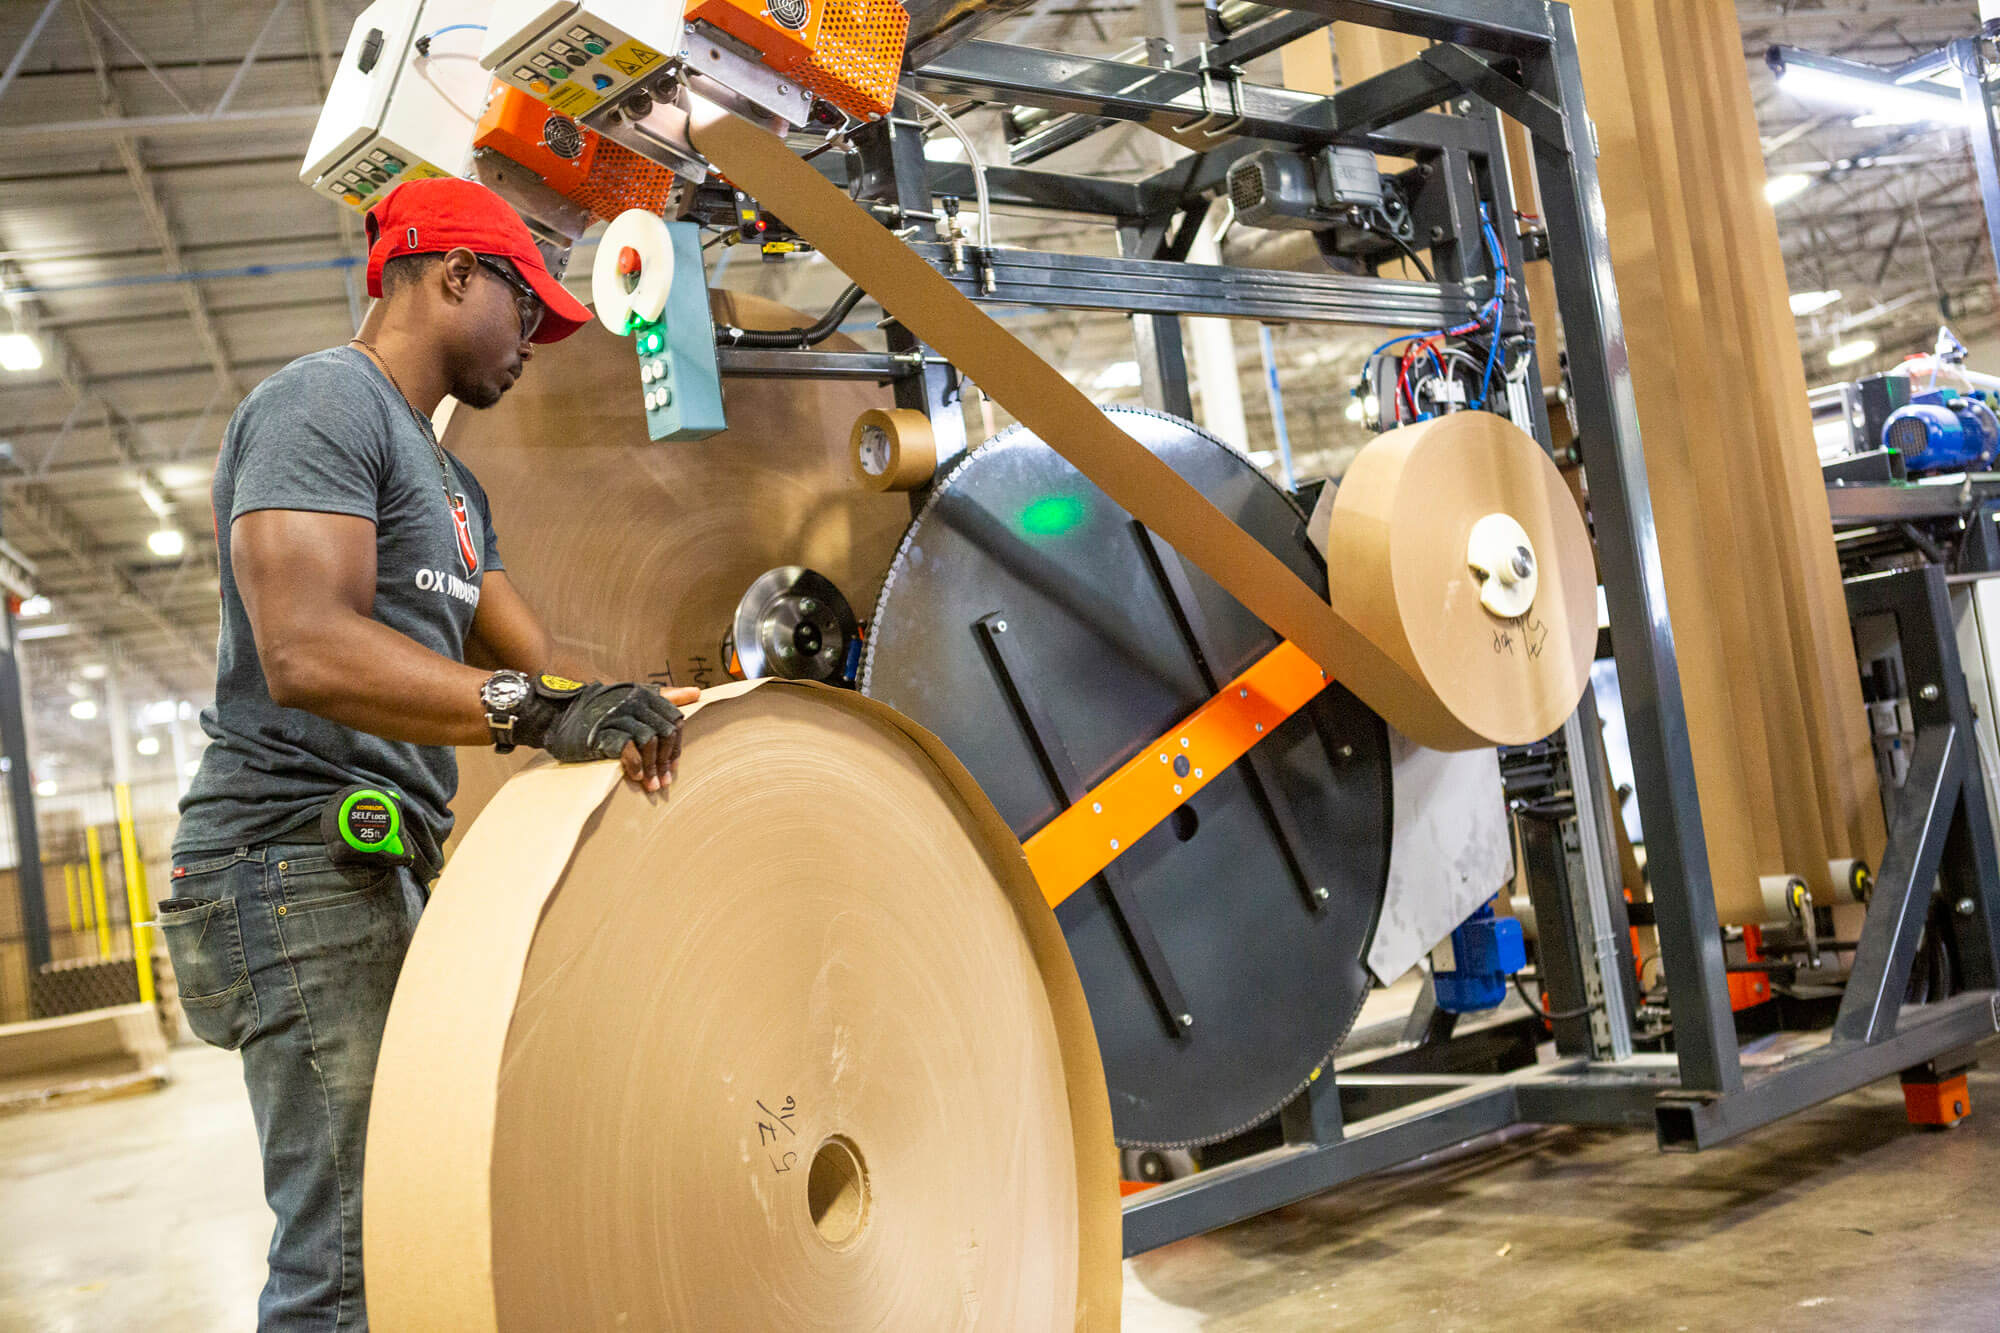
(135, 892)
(69, 895)
(102, 909)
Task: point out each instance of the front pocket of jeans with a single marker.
(206, 946)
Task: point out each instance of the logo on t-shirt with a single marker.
(468, 554)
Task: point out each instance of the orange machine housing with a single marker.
(577, 163)
(846, 51)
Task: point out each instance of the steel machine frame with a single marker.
(1516, 58)
(1488, 59)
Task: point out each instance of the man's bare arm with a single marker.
(308, 586)
(507, 633)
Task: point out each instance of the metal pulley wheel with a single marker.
(792, 624)
(1047, 638)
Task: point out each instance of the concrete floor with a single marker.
(145, 1213)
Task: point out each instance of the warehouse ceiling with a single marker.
(156, 243)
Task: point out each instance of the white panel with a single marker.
(1449, 854)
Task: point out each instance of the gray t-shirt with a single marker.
(330, 434)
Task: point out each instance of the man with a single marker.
(360, 577)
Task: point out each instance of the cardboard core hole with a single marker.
(837, 1191)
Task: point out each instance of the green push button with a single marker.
(558, 72)
(595, 48)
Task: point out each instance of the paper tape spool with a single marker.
(1411, 546)
(1784, 896)
(893, 449)
(1852, 880)
(621, 297)
(801, 1045)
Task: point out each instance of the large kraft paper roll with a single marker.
(1357, 654)
(800, 1047)
(1404, 521)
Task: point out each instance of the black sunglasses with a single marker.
(527, 305)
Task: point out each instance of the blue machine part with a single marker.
(1943, 431)
(677, 365)
(1470, 969)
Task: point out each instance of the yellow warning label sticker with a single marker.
(571, 98)
(632, 59)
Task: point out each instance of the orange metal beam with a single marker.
(1078, 843)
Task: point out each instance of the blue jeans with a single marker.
(291, 959)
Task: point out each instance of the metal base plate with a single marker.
(1271, 973)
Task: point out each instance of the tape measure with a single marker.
(364, 824)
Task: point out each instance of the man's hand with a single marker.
(653, 767)
(633, 723)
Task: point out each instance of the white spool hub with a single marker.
(619, 296)
(1504, 558)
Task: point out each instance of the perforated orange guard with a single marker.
(1067, 851)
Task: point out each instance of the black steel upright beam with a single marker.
(894, 170)
(1642, 632)
(21, 797)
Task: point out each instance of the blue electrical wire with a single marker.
(1491, 312)
(454, 27)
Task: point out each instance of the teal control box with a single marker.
(677, 365)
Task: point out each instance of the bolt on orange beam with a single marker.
(1070, 849)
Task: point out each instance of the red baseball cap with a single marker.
(431, 217)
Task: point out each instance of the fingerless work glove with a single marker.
(575, 721)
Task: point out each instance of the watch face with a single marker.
(505, 693)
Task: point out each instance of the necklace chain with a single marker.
(423, 422)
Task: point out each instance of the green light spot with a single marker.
(1054, 515)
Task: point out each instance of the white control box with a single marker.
(395, 113)
(573, 54)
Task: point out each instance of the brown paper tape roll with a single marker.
(1399, 558)
(893, 449)
(799, 1047)
(1144, 486)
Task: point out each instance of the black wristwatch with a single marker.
(503, 694)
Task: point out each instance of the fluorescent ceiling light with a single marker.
(1778, 189)
(46, 787)
(34, 606)
(154, 500)
(167, 543)
(92, 671)
(44, 632)
(177, 478)
(1355, 412)
(158, 713)
(148, 746)
(83, 710)
(1848, 353)
(1805, 303)
(19, 352)
(1877, 98)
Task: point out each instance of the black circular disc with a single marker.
(1098, 662)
